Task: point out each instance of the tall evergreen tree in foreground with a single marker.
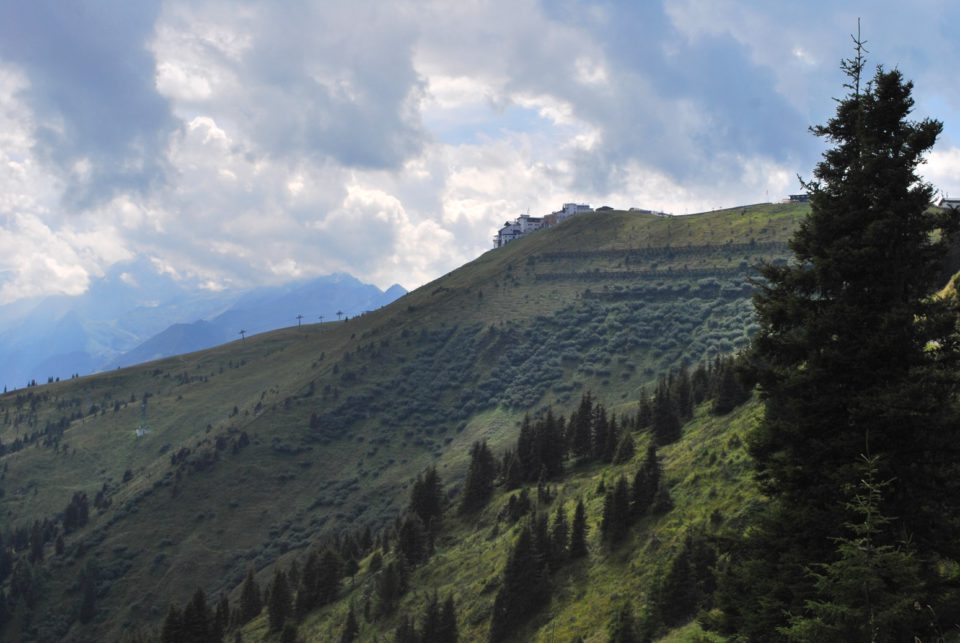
(855, 358)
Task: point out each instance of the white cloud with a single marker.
(390, 140)
(942, 169)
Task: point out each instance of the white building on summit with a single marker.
(525, 224)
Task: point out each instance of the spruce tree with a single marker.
(854, 356)
(430, 622)
(197, 620)
(559, 535)
(172, 629)
(478, 487)
(447, 631)
(870, 591)
(426, 498)
(622, 628)
(551, 446)
(616, 512)
(682, 394)
(405, 632)
(329, 573)
(250, 601)
(645, 410)
(646, 483)
(578, 532)
(664, 422)
(601, 430)
(729, 391)
(524, 588)
(391, 585)
(580, 428)
(512, 471)
(280, 606)
(527, 450)
(221, 618)
(412, 541)
(307, 591)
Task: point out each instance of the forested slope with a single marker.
(249, 453)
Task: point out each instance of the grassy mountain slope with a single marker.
(710, 482)
(255, 448)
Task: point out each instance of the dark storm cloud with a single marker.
(91, 87)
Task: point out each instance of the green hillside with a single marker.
(710, 482)
(253, 451)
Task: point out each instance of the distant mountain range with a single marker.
(135, 313)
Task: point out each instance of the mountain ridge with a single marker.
(59, 336)
(289, 436)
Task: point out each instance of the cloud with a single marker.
(97, 118)
(243, 143)
(942, 169)
(319, 81)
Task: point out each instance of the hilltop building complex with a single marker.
(525, 224)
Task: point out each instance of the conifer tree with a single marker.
(662, 501)
(527, 450)
(854, 356)
(405, 632)
(280, 605)
(616, 512)
(512, 471)
(559, 536)
(197, 620)
(426, 498)
(622, 628)
(682, 394)
(330, 572)
(542, 544)
(391, 585)
(730, 393)
(524, 588)
(447, 630)
(870, 590)
(581, 438)
(699, 384)
(478, 487)
(646, 483)
(550, 447)
(645, 411)
(430, 622)
(578, 532)
(250, 601)
(221, 618)
(412, 540)
(309, 581)
(172, 629)
(601, 429)
(664, 422)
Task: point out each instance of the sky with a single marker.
(235, 144)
